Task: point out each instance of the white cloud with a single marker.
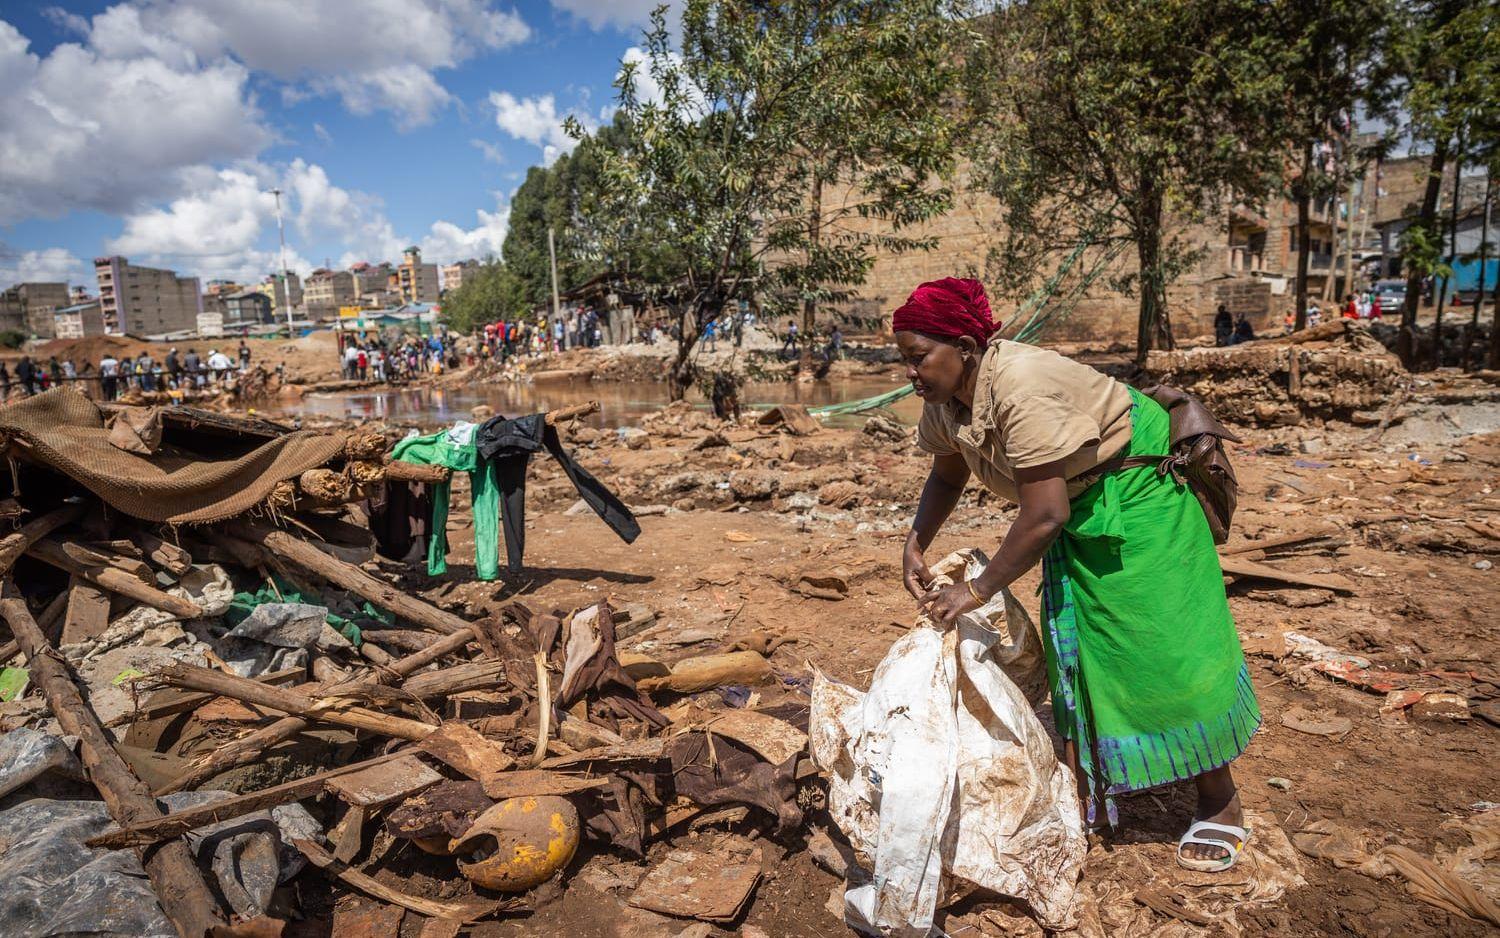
(536, 120)
(492, 152)
(619, 14)
(82, 128)
(48, 265)
(67, 22)
(225, 226)
(447, 242)
(373, 54)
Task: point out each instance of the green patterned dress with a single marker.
(1146, 669)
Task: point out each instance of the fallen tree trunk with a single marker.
(301, 553)
(173, 872)
(114, 580)
(178, 674)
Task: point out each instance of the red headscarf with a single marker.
(949, 308)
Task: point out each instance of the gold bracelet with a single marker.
(973, 592)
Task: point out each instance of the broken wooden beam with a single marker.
(473, 675)
(307, 556)
(1236, 566)
(13, 545)
(168, 556)
(1287, 540)
(189, 819)
(397, 470)
(174, 874)
(179, 674)
(113, 579)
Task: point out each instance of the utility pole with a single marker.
(552, 253)
(286, 286)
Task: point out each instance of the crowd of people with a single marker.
(115, 376)
(375, 359)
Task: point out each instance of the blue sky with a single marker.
(152, 127)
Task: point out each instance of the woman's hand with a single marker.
(914, 572)
(945, 604)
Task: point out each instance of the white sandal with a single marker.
(1234, 840)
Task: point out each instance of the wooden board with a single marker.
(458, 745)
(380, 785)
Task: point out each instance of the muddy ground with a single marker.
(1414, 529)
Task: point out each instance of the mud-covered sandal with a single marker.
(1229, 838)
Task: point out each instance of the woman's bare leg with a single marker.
(1219, 803)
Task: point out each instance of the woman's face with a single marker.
(934, 367)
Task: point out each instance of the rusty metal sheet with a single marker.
(712, 884)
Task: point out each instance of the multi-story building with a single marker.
(78, 321)
(326, 290)
(371, 279)
(231, 313)
(27, 307)
(285, 290)
(417, 282)
(146, 300)
(454, 274)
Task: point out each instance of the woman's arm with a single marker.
(945, 485)
(1043, 492)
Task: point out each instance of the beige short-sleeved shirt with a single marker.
(1032, 406)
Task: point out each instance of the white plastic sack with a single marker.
(942, 769)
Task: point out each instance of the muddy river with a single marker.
(621, 403)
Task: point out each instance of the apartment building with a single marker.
(454, 274)
(326, 290)
(146, 300)
(27, 307)
(417, 282)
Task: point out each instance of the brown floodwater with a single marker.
(621, 403)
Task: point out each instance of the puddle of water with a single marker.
(621, 403)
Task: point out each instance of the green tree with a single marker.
(557, 197)
(1327, 58)
(486, 295)
(1099, 122)
(1449, 53)
(766, 105)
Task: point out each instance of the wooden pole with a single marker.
(174, 874)
(178, 823)
(114, 579)
(347, 576)
(178, 674)
(247, 749)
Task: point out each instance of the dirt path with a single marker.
(1421, 528)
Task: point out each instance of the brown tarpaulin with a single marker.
(65, 430)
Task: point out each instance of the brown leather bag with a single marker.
(1197, 456)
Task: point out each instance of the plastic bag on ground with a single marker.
(942, 770)
(51, 884)
(27, 754)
